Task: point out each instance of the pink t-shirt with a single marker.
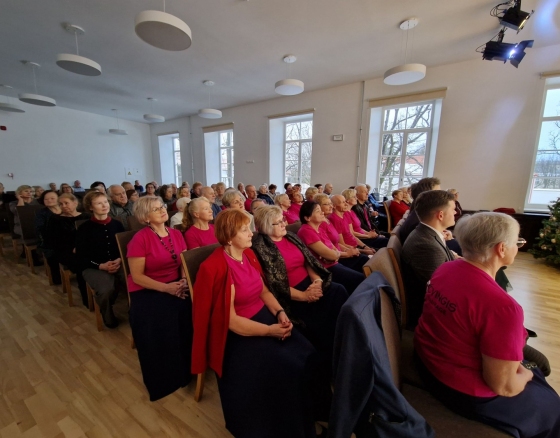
(195, 237)
(466, 314)
(331, 232)
(248, 287)
(160, 265)
(290, 216)
(248, 203)
(295, 208)
(294, 260)
(342, 225)
(355, 222)
(309, 236)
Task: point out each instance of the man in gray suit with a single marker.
(425, 249)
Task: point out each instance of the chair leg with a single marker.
(2, 245)
(48, 272)
(14, 244)
(66, 286)
(199, 387)
(29, 256)
(90, 299)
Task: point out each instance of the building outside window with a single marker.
(298, 142)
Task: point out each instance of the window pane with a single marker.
(306, 129)
(306, 172)
(414, 166)
(306, 151)
(390, 166)
(292, 171)
(387, 185)
(392, 144)
(409, 180)
(418, 116)
(552, 104)
(292, 131)
(547, 165)
(416, 143)
(550, 136)
(394, 119)
(292, 150)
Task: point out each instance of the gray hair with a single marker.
(280, 198)
(229, 196)
(265, 216)
(452, 191)
(360, 185)
(110, 189)
(182, 203)
(479, 233)
(348, 193)
(263, 188)
(143, 207)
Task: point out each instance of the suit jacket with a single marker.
(366, 400)
(408, 226)
(422, 253)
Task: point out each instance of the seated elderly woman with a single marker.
(272, 190)
(397, 208)
(37, 192)
(296, 278)
(264, 195)
(196, 220)
(61, 237)
(132, 195)
(166, 194)
(283, 201)
(182, 192)
(219, 190)
(297, 202)
(288, 190)
(310, 193)
(369, 238)
(65, 188)
(470, 337)
(244, 334)
(407, 195)
(150, 190)
(180, 205)
(234, 199)
(314, 233)
(98, 254)
(49, 199)
(160, 306)
(256, 203)
(458, 208)
(24, 196)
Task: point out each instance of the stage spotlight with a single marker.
(499, 51)
(514, 17)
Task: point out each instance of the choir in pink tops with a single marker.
(195, 237)
(295, 262)
(342, 225)
(310, 236)
(248, 287)
(290, 216)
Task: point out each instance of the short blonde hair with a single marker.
(280, 198)
(68, 196)
(228, 223)
(348, 193)
(265, 216)
(143, 207)
(319, 198)
(452, 191)
(311, 191)
(22, 188)
(194, 206)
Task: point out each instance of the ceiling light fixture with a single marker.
(163, 30)
(76, 63)
(405, 73)
(117, 131)
(500, 51)
(35, 99)
(289, 87)
(153, 117)
(209, 113)
(9, 107)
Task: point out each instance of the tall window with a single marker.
(298, 141)
(405, 134)
(226, 157)
(177, 161)
(544, 186)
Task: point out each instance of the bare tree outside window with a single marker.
(298, 141)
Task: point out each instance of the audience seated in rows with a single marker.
(251, 193)
(121, 206)
(210, 195)
(150, 190)
(369, 238)
(366, 212)
(49, 199)
(343, 225)
(297, 202)
(233, 199)
(197, 223)
(283, 201)
(264, 195)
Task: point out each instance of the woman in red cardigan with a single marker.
(244, 335)
(397, 208)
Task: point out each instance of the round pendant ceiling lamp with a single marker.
(76, 63)
(163, 30)
(154, 118)
(209, 113)
(289, 87)
(406, 73)
(117, 131)
(9, 107)
(36, 98)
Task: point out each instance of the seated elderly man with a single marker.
(208, 193)
(121, 207)
(251, 192)
(77, 187)
(264, 195)
(366, 211)
(328, 189)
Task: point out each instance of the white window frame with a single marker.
(228, 180)
(177, 164)
(551, 84)
(285, 142)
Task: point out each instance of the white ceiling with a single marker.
(239, 45)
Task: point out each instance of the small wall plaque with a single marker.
(338, 137)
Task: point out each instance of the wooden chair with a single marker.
(94, 307)
(15, 240)
(387, 204)
(2, 235)
(48, 272)
(122, 242)
(134, 224)
(294, 228)
(28, 231)
(191, 262)
(65, 274)
(394, 248)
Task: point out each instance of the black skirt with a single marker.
(162, 330)
(265, 384)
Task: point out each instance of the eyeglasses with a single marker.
(521, 242)
(162, 208)
(280, 222)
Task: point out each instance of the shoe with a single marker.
(113, 324)
(531, 333)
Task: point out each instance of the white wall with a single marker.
(486, 140)
(60, 145)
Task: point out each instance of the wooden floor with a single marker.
(59, 377)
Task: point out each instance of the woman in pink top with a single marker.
(369, 238)
(470, 337)
(160, 306)
(283, 201)
(297, 201)
(196, 220)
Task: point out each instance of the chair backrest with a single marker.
(122, 242)
(395, 231)
(386, 204)
(134, 224)
(392, 336)
(394, 247)
(192, 259)
(294, 228)
(178, 227)
(80, 222)
(27, 220)
(381, 261)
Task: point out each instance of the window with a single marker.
(226, 157)
(544, 185)
(177, 161)
(405, 134)
(298, 141)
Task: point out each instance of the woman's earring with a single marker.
(229, 243)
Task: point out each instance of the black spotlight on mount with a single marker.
(514, 17)
(500, 51)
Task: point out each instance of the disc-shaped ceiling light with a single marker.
(163, 30)
(289, 87)
(117, 131)
(36, 98)
(9, 107)
(209, 113)
(76, 63)
(406, 73)
(154, 118)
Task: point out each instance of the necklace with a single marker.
(169, 250)
(233, 258)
